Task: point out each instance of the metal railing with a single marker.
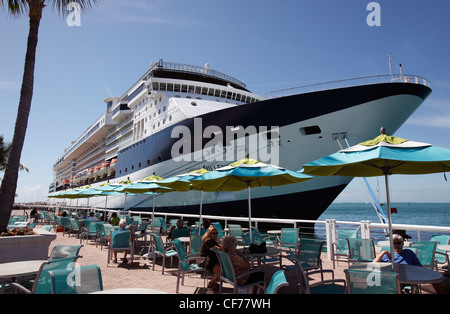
(375, 79)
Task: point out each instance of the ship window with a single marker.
(211, 92)
(177, 88)
(198, 90)
(184, 88)
(170, 87)
(140, 165)
(162, 86)
(229, 95)
(310, 130)
(191, 89)
(155, 85)
(217, 93)
(204, 91)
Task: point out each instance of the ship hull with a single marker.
(356, 113)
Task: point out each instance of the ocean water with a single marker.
(427, 214)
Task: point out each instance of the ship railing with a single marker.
(196, 69)
(366, 80)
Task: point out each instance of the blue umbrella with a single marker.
(383, 156)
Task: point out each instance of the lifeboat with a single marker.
(112, 167)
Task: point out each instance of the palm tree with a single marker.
(34, 10)
(4, 153)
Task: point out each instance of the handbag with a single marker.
(258, 248)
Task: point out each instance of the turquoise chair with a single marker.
(60, 251)
(277, 281)
(441, 256)
(187, 264)
(371, 282)
(236, 231)
(361, 250)
(341, 245)
(105, 235)
(289, 239)
(329, 286)
(219, 229)
(74, 226)
(195, 245)
(76, 280)
(42, 283)
(258, 239)
(310, 253)
(227, 273)
(120, 241)
(166, 250)
(426, 253)
(89, 230)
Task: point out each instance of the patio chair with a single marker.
(340, 246)
(426, 253)
(61, 251)
(289, 239)
(89, 230)
(371, 282)
(277, 281)
(227, 273)
(76, 280)
(236, 231)
(42, 284)
(141, 233)
(219, 229)
(187, 264)
(105, 235)
(74, 226)
(441, 256)
(310, 253)
(120, 241)
(329, 286)
(182, 232)
(195, 244)
(166, 250)
(361, 250)
(258, 239)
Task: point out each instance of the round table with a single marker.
(19, 269)
(407, 274)
(130, 291)
(270, 252)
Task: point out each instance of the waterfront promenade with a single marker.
(139, 274)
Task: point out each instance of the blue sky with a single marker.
(269, 45)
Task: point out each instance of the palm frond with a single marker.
(61, 5)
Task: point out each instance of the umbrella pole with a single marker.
(153, 211)
(249, 214)
(106, 203)
(391, 239)
(200, 218)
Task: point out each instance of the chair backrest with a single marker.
(441, 240)
(183, 232)
(372, 282)
(196, 244)
(60, 251)
(302, 279)
(219, 228)
(235, 230)
(310, 251)
(42, 283)
(226, 266)
(76, 280)
(256, 237)
(158, 243)
(107, 229)
(74, 223)
(425, 252)
(138, 219)
(361, 249)
(342, 236)
(181, 253)
(289, 236)
(120, 239)
(277, 281)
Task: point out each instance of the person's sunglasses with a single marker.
(214, 233)
(398, 243)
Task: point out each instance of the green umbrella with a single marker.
(383, 156)
(147, 185)
(247, 174)
(182, 183)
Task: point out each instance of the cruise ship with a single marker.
(177, 118)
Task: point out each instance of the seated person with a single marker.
(114, 219)
(122, 226)
(240, 263)
(401, 256)
(180, 225)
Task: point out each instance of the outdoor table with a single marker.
(271, 251)
(130, 291)
(9, 271)
(408, 274)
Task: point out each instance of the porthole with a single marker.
(194, 103)
(310, 130)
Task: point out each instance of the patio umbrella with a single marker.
(182, 183)
(147, 185)
(247, 174)
(383, 156)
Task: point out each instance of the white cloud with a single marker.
(436, 113)
(5, 85)
(34, 193)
